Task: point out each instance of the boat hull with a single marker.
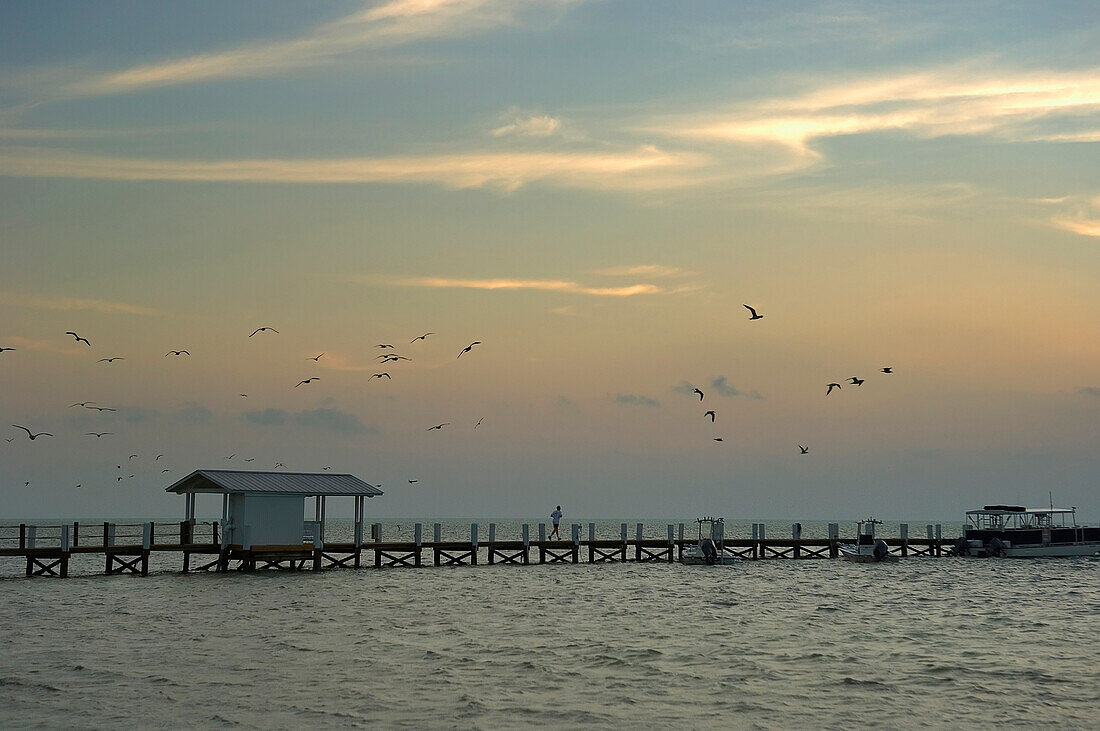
(1067, 551)
(852, 553)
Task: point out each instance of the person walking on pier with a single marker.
(556, 515)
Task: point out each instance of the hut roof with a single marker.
(289, 483)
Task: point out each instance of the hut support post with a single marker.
(834, 537)
(492, 540)
(526, 544)
(542, 542)
(473, 544)
(638, 543)
(575, 529)
(903, 530)
(622, 537)
(437, 536)
(591, 540)
(418, 539)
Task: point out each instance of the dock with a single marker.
(46, 550)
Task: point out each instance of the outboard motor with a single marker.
(995, 548)
(710, 553)
(881, 550)
(961, 547)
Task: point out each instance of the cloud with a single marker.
(727, 389)
(533, 126)
(71, 304)
(375, 27)
(928, 104)
(333, 420)
(685, 388)
(1078, 214)
(1089, 391)
(545, 285)
(632, 399)
(643, 168)
(643, 270)
(193, 413)
(266, 417)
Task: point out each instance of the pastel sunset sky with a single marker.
(592, 189)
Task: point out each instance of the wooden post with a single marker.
(542, 540)
(763, 535)
(526, 544)
(357, 536)
(903, 529)
(376, 536)
(31, 536)
(638, 543)
(622, 533)
(146, 545)
(834, 537)
(939, 537)
(418, 539)
(22, 536)
(66, 548)
(576, 531)
(492, 540)
(796, 537)
(318, 547)
(473, 544)
(671, 544)
(755, 539)
(680, 540)
(76, 533)
(591, 538)
(438, 533)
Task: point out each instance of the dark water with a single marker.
(769, 644)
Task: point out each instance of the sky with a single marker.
(592, 190)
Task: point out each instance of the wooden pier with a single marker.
(126, 548)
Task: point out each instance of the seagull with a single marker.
(856, 381)
(438, 426)
(719, 439)
(384, 345)
(78, 338)
(2, 349)
(97, 434)
(308, 380)
(479, 422)
(831, 387)
(695, 390)
(101, 408)
(803, 450)
(165, 470)
(9, 441)
(232, 456)
(394, 358)
(710, 414)
(26, 484)
(176, 352)
(84, 404)
(130, 457)
(278, 465)
(468, 348)
(887, 369)
(421, 337)
(243, 395)
(326, 469)
(158, 457)
(380, 375)
(316, 357)
(413, 482)
(753, 315)
(118, 479)
(250, 459)
(110, 360)
(79, 486)
(31, 434)
(264, 329)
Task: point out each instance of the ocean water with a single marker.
(922, 643)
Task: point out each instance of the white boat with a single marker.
(1013, 531)
(709, 549)
(867, 549)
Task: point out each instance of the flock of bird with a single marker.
(389, 356)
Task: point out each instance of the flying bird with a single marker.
(177, 352)
(421, 337)
(719, 439)
(317, 357)
(752, 313)
(803, 450)
(250, 459)
(232, 456)
(31, 434)
(831, 386)
(158, 457)
(308, 380)
(130, 457)
(101, 408)
(380, 375)
(326, 469)
(856, 381)
(2, 349)
(165, 470)
(243, 395)
(97, 434)
(695, 390)
(118, 479)
(394, 358)
(9, 441)
(110, 360)
(278, 465)
(468, 348)
(711, 414)
(479, 422)
(84, 404)
(384, 345)
(887, 369)
(78, 338)
(438, 426)
(413, 482)
(264, 329)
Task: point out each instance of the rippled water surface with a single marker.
(771, 644)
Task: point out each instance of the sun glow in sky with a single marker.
(592, 190)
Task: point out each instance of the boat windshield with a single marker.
(1009, 517)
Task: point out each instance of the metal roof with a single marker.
(291, 483)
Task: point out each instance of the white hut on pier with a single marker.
(267, 509)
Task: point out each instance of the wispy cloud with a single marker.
(724, 388)
(193, 413)
(66, 304)
(1077, 214)
(634, 399)
(545, 285)
(531, 126)
(338, 362)
(949, 101)
(266, 417)
(657, 271)
(375, 27)
(644, 168)
(331, 419)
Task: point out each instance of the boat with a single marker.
(709, 549)
(1013, 531)
(867, 548)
